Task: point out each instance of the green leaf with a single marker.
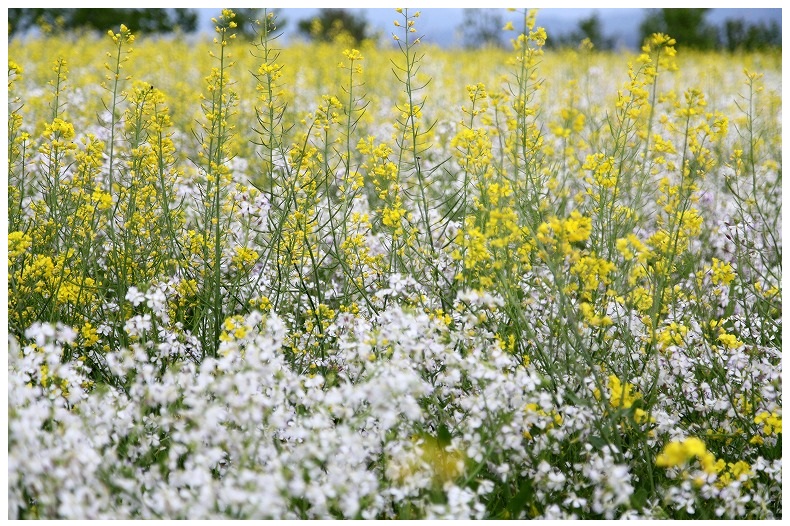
(443, 435)
(518, 502)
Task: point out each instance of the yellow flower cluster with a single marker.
(18, 243)
(680, 452)
(244, 259)
(593, 272)
(60, 133)
(771, 422)
(383, 174)
(223, 25)
(123, 36)
(671, 335)
(623, 396)
(558, 234)
(721, 272)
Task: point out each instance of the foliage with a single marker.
(331, 24)
(740, 36)
(589, 29)
(688, 26)
(140, 20)
(692, 31)
(481, 27)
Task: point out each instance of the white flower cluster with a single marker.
(405, 411)
(245, 435)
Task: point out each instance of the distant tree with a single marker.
(248, 22)
(738, 35)
(139, 20)
(592, 29)
(589, 28)
(734, 34)
(332, 23)
(481, 27)
(766, 35)
(687, 26)
(20, 19)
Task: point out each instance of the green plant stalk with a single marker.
(113, 122)
(217, 283)
(166, 194)
(410, 125)
(59, 81)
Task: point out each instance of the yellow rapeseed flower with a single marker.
(18, 243)
(771, 422)
(678, 453)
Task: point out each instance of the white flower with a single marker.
(137, 325)
(157, 301)
(135, 296)
(41, 333)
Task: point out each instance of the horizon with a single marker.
(441, 26)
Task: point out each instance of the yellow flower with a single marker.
(60, 129)
(578, 227)
(18, 243)
(352, 54)
(722, 272)
(678, 453)
(621, 395)
(244, 258)
(391, 216)
(740, 470)
(102, 199)
(694, 447)
(88, 332)
(674, 454)
(729, 341)
(772, 423)
(234, 328)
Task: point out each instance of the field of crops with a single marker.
(327, 282)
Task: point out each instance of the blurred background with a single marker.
(607, 28)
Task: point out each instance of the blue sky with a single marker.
(440, 25)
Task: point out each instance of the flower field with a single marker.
(250, 280)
